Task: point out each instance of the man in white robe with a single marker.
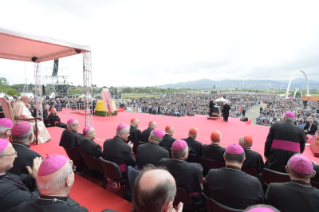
(20, 110)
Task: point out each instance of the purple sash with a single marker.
(123, 167)
(286, 145)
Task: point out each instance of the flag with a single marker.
(273, 92)
(290, 97)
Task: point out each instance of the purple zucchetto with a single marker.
(51, 164)
(7, 123)
(179, 145)
(21, 128)
(70, 121)
(261, 209)
(3, 144)
(300, 164)
(121, 126)
(234, 149)
(158, 133)
(290, 114)
(86, 129)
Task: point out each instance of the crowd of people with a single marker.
(160, 164)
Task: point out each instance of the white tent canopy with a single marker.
(221, 99)
(24, 47)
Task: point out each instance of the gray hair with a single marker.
(70, 125)
(287, 118)
(22, 138)
(155, 137)
(298, 175)
(234, 158)
(243, 142)
(56, 182)
(3, 129)
(178, 154)
(125, 129)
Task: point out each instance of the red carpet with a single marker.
(95, 198)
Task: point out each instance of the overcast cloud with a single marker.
(146, 43)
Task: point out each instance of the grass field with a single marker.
(132, 96)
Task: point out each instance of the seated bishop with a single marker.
(70, 137)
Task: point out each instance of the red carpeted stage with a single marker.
(95, 198)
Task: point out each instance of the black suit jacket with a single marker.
(294, 196)
(195, 146)
(70, 139)
(316, 177)
(135, 134)
(213, 152)
(150, 153)
(13, 191)
(146, 134)
(89, 147)
(312, 130)
(226, 109)
(253, 160)
(187, 175)
(233, 188)
(54, 117)
(286, 131)
(117, 151)
(25, 158)
(45, 113)
(211, 105)
(167, 141)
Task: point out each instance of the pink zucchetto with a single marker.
(121, 126)
(3, 144)
(234, 149)
(21, 128)
(7, 123)
(300, 164)
(261, 209)
(51, 164)
(179, 145)
(290, 114)
(158, 133)
(86, 129)
(70, 121)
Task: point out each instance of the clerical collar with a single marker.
(120, 138)
(153, 142)
(54, 198)
(214, 144)
(233, 167)
(247, 148)
(19, 144)
(304, 183)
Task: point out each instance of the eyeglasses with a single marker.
(14, 154)
(73, 168)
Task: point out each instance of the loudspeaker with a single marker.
(191, 113)
(244, 119)
(43, 90)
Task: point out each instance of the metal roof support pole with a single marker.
(87, 89)
(38, 90)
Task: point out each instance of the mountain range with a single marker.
(243, 84)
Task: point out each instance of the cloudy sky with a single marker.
(147, 43)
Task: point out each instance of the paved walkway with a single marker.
(254, 112)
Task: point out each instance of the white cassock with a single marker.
(19, 110)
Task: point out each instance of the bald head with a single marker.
(25, 99)
(154, 190)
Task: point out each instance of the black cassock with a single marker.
(89, 147)
(150, 153)
(253, 160)
(167, 141)
(25, 158)
(146, 134)
(187, 175)
(51, 203)
(211, 107)
(213, 152)
(70, 139)
(135, 134)
(14, 190)
(294, 196)
(233, 188)
(195, 146)
(57, 120)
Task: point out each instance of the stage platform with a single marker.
(95, 198)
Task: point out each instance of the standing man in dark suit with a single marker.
(195, 146)
(151, 152)
(283, 141)
(298, 194)
(118, 151)
(230, 183)
(211, 107)
(21, 137)
(168, 139)
(188, 176)
(88, 146)
(214, 151)
(135, 133)
(146, 133)
(226, 109)
(253, 159)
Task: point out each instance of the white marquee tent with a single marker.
(16, 45)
